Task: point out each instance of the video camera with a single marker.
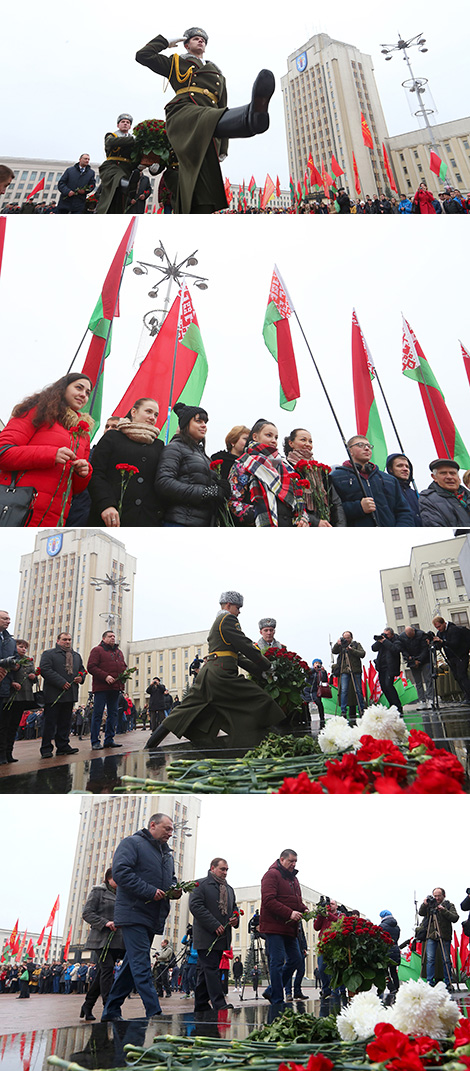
(253, 924)
(379, 638)
(431, 903)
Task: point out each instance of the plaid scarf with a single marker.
(270, 479)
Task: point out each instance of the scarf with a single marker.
(138, 433)
(69, 661)
(316, 499)
(270, 479)
(223, 895)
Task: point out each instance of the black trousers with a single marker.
(209, 986)
(104, 977)
(459, 667)
(389, 690)
(57, 722)
(9, 722)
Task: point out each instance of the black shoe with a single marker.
(157, 736)
(300, 996)
(112, 744)
(112, 1019)
(251, 118)
(68, 750)
(10, 757)
(3, 759)
(47, 754)
(85, 1013)
(96, 747)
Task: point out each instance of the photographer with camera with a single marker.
(388, 665)
(350, 670)
(454, 640)
(415, 650)
(439, 915)
(465, 906)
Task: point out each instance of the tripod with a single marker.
(345, 655)
(446, 963)
(434, 671)
(255, 957)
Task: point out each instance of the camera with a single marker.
(9, 663)
(431, 903)
(343, 642)
(253, 923)
(379, 638)
(324, 901)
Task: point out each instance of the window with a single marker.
(408, 591)
(458, 578)
(395, 594)
(412, 612)
(439, 581)
(398, 613)
(460, 617)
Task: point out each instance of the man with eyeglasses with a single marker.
(375, 495)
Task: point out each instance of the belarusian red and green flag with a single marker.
(277, 336)
(252, 185)
(101, 323)
(67, 943)
(335, 167)
(466, 359)
(447, 440)
(368, 421)
(438, 166)
(178, 334)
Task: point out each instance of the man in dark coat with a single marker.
(439, 914)
(446, 502)
(379, 494)
(455, 642)
(351, 653)
(399, 466)
(214, 909)
(138, 200)
(143, 870)
(281, 912)
(198, 122)
(156, 691)
(7, 650)
(106, 663)
(219, 697)
(74, 185)
(388, 665)
(63, 671)
(343, 202)
(412, 644)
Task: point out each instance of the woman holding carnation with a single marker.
(265, 489)
(47, 442)
(322, 501)
(191, 493)
(125, 463)
(235, 443)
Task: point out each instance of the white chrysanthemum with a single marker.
(345, 1028)
(383, 724)
(360, 1017)
(336, 736)
(421, 1009)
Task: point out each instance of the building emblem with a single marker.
(301, 62)
(53, 545)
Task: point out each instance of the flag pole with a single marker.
(393, 422)
(173, 370)
(431, 403)
(330, 403)
(108, 333)
(77, 351)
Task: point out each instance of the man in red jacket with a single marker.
(106, 663)
(281, 911)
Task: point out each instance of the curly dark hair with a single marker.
(50, 402)
(290, 438)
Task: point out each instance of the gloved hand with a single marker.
(174, 40)
(224, 490)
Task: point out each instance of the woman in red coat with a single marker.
(47, 441)
(423, 200)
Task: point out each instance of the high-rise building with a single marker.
(327, 86)
(432, 583)
(56, 590)
(167, 657)
(104, 822)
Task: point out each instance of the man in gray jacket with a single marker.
(143, 870)
(214, 909)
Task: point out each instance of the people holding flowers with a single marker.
(46, 444)
(190, 492)
(213, 905)
(322, 501)
(125, 463)
(107, 666)
(63, 671)
(282, 908)
(265, 490)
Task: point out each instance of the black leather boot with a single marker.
(252, 118)
(157, 736)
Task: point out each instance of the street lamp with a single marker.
(412, 84)
(170, 272)
(114, 584)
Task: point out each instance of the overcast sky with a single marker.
(74, 79)
(370, 853)
(329, 581)
(376, 267)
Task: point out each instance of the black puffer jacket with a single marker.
(186, 487)
(390, 925)
(441, 509)
(140, 508)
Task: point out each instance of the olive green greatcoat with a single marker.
(220, 698)
(191, 119)
(117, 166)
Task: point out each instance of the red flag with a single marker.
(356, 177)
(48, 947)
(21, 946)
(228, 192)
(3, 224)
(374, 686)
(67, 943)
(437, 166)
(326, 179)
(336, 169)
(41, 936)
(306, 184)
(268, 191)
(466, 360)
(14, 934)
(447, 440)
(465, 953)
(277, 336)
(388, 169)
(278, 187)
(53, 914)
(315, 177)
(251, 185)
(30, 949)
(366, 134)
(40, 186)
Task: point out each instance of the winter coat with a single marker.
(228, 459)
(441, 509)
(455, 641)
(144, 186)
(388, 657)
(323, 922)
(106, 660)
(409, 494)
(446, 914)
(53, 671)
(32, 451)
(414, 647)
(280, 895)
(118, 165)
(98, 910)
(7, 650)
(344, 204)
(184, 484)
(140, 506)
(390, 925)
(207, 916)
(355, 653)
(141, 865)
(21, 676)
(423, 202)
(391, 512)
(157, 696)
(73, 179)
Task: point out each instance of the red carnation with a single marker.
(303, 483)
(462, 1033)
(123, 467)
(373, 750)
(215, 466)
(431, 779)
(417, 738)
(301, 785)
(303, 464)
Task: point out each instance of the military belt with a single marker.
(119, 159)
(223, 654)
(197, 89)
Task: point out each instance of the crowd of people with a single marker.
(130, 478)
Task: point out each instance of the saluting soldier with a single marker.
(117, 169)
(198, 122)
(220, 698)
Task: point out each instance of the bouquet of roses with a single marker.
(288, 678)
(151, 143)
(356, 954)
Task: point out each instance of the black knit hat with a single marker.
(185, 413)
